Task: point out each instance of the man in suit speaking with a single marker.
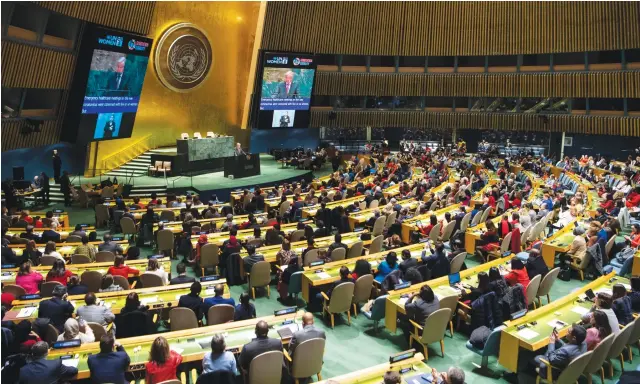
(285, 120)
(288, 89)
(117, 80)
(238, 150)
(109, 127)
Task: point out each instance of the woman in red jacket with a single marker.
(59, 273)
(163, 362)
(518, 274)
(119, 269)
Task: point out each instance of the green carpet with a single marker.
(355, 347)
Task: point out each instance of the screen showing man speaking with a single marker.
(287, 85)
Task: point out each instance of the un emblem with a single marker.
(183, 57)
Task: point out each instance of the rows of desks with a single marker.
(63, 218)
(359, 218)
(411, 370)
(155, 297)
(9, 274)
(568, 310)
(66, 249)
(192, 344)
(63, 231)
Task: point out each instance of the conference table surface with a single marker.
(192, 343)
(138, 213)
(412, 224)
(311, 210)
(63, 231)
(176, 226)
(329, 273)
(469, 279)
(8, 275)
(155, 297)
(408, 369)
(559, 314)
(560, 241)
(361, 217)
(66, 249)
(63, 218)
(247, 234)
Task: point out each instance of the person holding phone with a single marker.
(560, 354)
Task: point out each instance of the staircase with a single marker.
(146, 190)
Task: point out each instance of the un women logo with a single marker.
(183, 57)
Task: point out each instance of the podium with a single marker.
(242, 166)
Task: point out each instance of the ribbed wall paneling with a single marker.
(451, 28)
(570, 84)
(13, 139)
(133, 16)
(27, 66)
(603, 125)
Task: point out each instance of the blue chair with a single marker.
(295, 284)
(491, 348)
(377, 311)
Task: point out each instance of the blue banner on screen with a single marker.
(286, 89)
(114, 65)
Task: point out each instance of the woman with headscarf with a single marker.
(202, 241)
(74, 330)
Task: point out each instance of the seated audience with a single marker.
(245, 310)
(77, 330)
(219, 359)
(40, 370)
(109, 366)
(163, 362)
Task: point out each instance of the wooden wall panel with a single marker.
(571, 84)
(13, 139)
(451, 28)
(27, 66)
(602, 125)
(133, 16)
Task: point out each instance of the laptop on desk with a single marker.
(454, 279)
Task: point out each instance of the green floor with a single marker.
(355, 347)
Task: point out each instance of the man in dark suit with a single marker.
(46, 189)
(438, 262)
(288, 89)
(337, 243)
(57, 309)
(407, 261)
(110, 246)
(324, 214)
(322, 231)
(40, 370)
(308, 332)
(65, 188)
(182, 277)
(252, 258)
(261, 344)
(193, 301)
(109, 128)
(117, 79)
(285, 120)
(238, 151)
(57, 165)
(28, 234)
(51, 234)
(109, 366)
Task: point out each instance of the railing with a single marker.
(127, 153)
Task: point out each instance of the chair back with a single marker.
(284, 207)
(485, 215)
(435, 326)
(310, 257)
(15, 290)
(600, 353)
(378, 226)
(209, 256)
(128, 226)
(376, 244)
(260, 274)
(448, 230)
(182, 318)
(524, 236)
(92, 279)
(295, 283)
(51, 335)
(121, 281)
(47, 260)
(391, 219)
(98, 330)
(164, 239)
(465, 222)
(456, 263)
(492, 345)
(609, 246)
(620, 341)
(532, 289)
(378, 308)
(167, 166)
(434, 206)
(355, 250)
(362, 289)
(105, 257)
(547, 282)
(341, 298)
(634, 337)
(46, 289)
(338, 254)
(308, 358)
(435, 232)
(168, 215)
(450, 302)
(102, 215)
(73, 239)
(266, 368)
(362, 205)
(220, 314)
(150, 280)
(374, 204)
(572, 372)
(297, 235)
(506, 243)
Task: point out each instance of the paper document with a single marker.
(177, 350)
(148, 300)
(527, 334)
(580, 310)
(403, 300)
(557, 324)
(209, 291)
(71, 362)
(323, 275)
(26, 312)
(7, 277)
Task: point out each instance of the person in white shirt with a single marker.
(603, 303)
(50, 250)
(155, 268)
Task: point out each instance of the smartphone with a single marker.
(590, 294)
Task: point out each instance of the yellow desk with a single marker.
(156, 298)
(311, 210)
(243, 234)
(361, 217)
(63, 218)
(536, 337)
(411, 224)
(176, 226)
(66, 249)
(395, 301)
(375, 374)
(64, 232)
(193, 343)
(558, 242)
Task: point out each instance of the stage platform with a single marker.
(272, 172)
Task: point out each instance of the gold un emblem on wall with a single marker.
(183, 57)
